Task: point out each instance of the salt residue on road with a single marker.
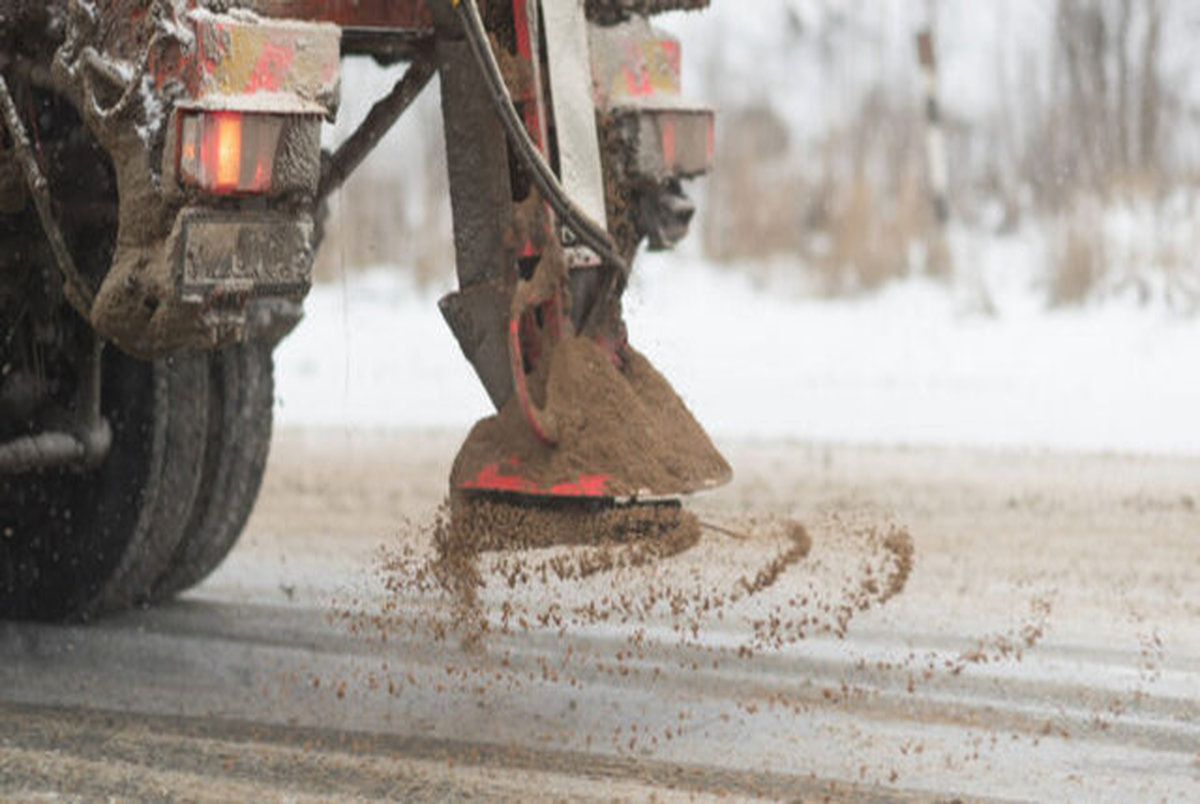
(913, 364)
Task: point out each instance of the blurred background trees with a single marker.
(1072, 122)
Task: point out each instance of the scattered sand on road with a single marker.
(481, 566)
(722, 592)
(1021, 558)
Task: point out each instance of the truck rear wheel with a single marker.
(78, 542)
(190, 438)
(241, 397)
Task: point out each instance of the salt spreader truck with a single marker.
(162, 190)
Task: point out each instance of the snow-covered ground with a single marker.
(915, 364)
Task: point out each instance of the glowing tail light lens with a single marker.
(228, 153)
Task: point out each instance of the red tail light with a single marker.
(228, 152)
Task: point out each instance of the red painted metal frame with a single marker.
(523, 317)
(541, 425)
(534, 102)
(506, 476)
(412, 16)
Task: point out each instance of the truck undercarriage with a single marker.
(161, 183)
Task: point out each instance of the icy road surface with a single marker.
(1045, 646)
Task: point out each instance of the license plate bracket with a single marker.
(257, 254)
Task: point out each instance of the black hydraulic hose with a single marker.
(590, 233)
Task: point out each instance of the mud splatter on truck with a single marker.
(161, 183)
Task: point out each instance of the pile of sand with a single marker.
(625, 423)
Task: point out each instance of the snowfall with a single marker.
(919, 363)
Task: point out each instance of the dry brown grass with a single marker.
(872, 234)
(853, 211)
(1077, 260)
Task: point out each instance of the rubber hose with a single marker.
(590, 233)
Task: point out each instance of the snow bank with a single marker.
(912, 365)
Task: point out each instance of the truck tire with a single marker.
(241, 398)
(76, 543)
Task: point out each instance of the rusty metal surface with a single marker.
(669, 143)
(477, 157)
(160, 57)
(634, 62)
(481, 199)
(478, 318)
(247, 64)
